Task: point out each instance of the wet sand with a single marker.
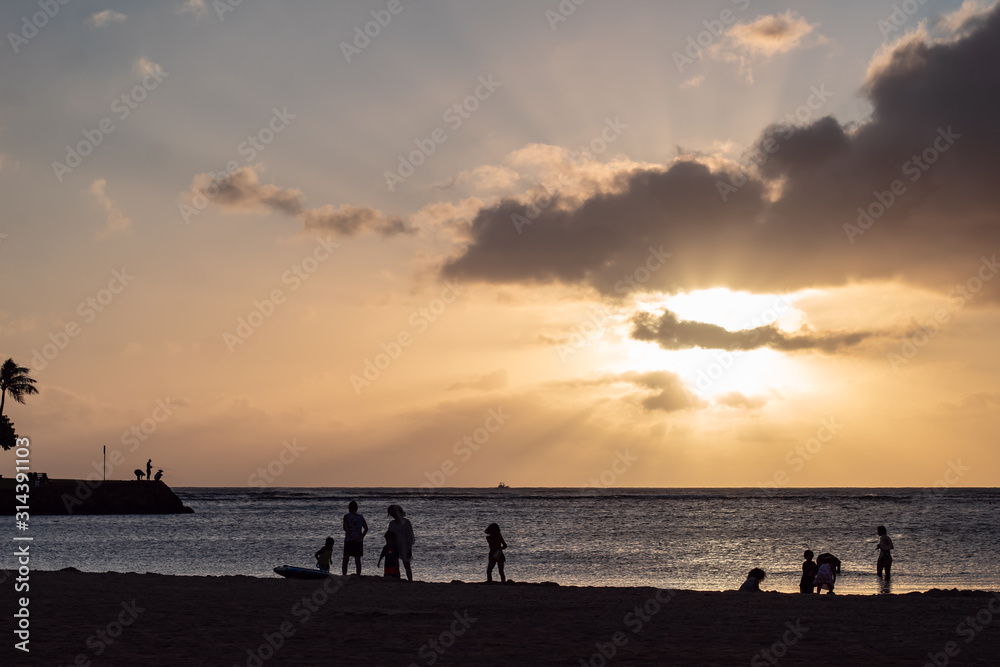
(145, 619)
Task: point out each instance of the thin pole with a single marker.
(105, 448)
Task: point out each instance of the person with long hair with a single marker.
(402, 531)
(496, 544)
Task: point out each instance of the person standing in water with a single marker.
(355, 529)
(402, 532)
(884, 546)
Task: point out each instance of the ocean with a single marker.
(699, 539)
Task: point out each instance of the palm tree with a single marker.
(15, 379)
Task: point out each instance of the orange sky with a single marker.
(769, 260)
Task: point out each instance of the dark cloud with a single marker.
(242, 191)
(672, 333)
(350, 220)
(793, 223)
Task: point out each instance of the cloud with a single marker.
(762, 38)
(769, 35)
(132, 349)
(488, 382)
(350, 220)
(693, 82)
(143, 66)
(243, 192)
(7, 163)
(976, 404)
(99, 19)
(670, 393)
(735, 399)
(967, 17)
(661, 390)
(483, 179)
(808, 216)
(672, 333)
(197, 7)
(118, 223)
(10, 325)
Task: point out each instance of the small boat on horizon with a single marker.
(501, 485)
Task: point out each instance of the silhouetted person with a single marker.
(831, 559)
(402, 530)
(884, 546)
(826, 576)
(809, 570)
(149, 469)
(158, 476)
(325, 555)
(752, 584)
(391, 556)
(138, 474)
(355, 529)
(496, 543)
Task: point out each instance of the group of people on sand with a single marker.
(399, 541)
(822, 573)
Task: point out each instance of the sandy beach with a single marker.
(146, 619)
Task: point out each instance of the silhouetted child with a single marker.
(809, 569)
(826, 576)
(884, 546)
(390, 555)
(496, 543)
(752, 584)
(325, 555)
(832, 560)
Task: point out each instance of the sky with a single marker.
(439, 243)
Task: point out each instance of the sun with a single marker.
(732, 310)
(712, 373)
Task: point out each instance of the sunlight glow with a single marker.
(716, 373)
(732, 310)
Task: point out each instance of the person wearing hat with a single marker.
(402, 532)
